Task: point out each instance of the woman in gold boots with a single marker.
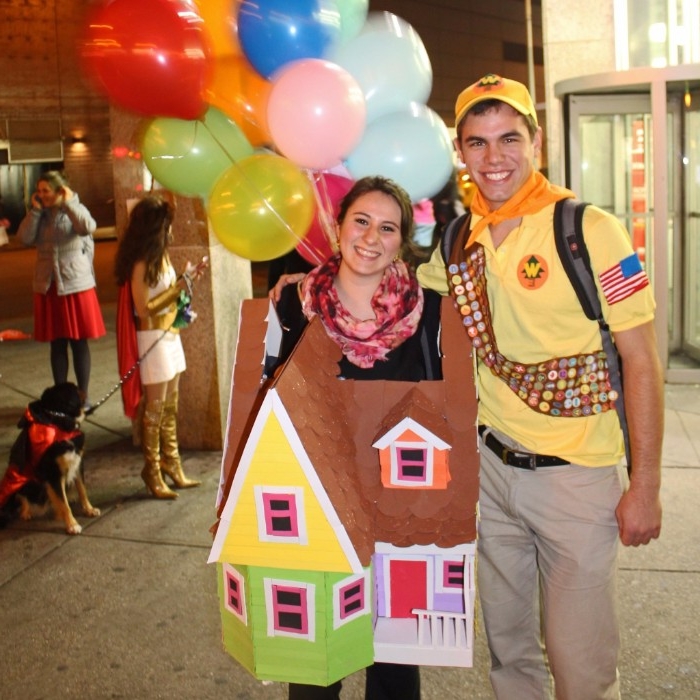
(150, 291)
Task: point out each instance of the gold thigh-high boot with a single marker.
(150, 444)
(170, 462)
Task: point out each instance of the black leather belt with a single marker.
(521, 460)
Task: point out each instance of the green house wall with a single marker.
(333, 655)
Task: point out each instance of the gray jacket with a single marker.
(65, 247)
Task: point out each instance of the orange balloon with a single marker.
(220, 21)
(239, 91)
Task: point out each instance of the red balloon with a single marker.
(320, 241)
(152, 58)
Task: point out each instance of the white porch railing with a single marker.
(445, 630)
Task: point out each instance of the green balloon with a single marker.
(261, 207)
(353, 14)
(187, 157)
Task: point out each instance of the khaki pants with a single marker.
(547, 547)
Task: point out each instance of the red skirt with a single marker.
(75, 316)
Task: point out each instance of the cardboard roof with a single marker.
(338, 420)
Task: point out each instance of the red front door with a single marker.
(408, 587)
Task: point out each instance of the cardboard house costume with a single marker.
(347, 510)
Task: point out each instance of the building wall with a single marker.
(41, 79)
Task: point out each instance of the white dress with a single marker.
(166, 358)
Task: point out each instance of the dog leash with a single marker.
(184, 317)
(127, 375)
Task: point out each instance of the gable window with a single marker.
(234, 592)
(280, 514)
(453, 574)
(412, 464)
(413, 456)
(349, 599)
(290, 609)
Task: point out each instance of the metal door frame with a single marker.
(656, 82)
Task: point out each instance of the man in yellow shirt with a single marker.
(554, 499)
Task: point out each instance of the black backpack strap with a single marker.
(573, 252)
(568, 229)
(449, 235)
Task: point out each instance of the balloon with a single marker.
(261, 207)
(412, 147)
(353, 14)
(316, 113)
(273, 33)
(390, 63)
(151, 58)
(242, 93)
(320, 241)
(220, 22)
(188, 157)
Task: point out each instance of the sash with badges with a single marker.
(573, 386)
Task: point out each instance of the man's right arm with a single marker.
(431, 274)
(639, 510)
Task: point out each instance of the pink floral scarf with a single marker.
(397, 305)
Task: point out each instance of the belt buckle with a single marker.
(529, 459)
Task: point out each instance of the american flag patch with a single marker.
(623, 280)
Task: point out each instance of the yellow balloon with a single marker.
(261, 207)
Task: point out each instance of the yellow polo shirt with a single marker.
(537, 316)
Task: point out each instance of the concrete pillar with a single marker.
(210, 341)
(578, 39)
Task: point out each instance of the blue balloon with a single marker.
(273, 33)
(412, 147)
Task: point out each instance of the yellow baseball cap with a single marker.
(493, 87)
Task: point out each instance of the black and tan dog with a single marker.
(46, 459)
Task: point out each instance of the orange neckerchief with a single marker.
(536, 193)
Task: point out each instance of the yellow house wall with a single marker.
(275, 464)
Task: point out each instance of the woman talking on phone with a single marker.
(144, 271)
(66, 309)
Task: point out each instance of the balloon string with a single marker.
(252, 185)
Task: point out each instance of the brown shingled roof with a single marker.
(338, 420)
(247, 391)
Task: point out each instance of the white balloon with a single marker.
(412, 147)
(389, 62)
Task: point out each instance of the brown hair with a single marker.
(145, 238)
(377, 183)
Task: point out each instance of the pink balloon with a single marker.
(316, 113)
(319, 242)
(152, 58)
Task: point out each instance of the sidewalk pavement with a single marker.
(128, 609)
